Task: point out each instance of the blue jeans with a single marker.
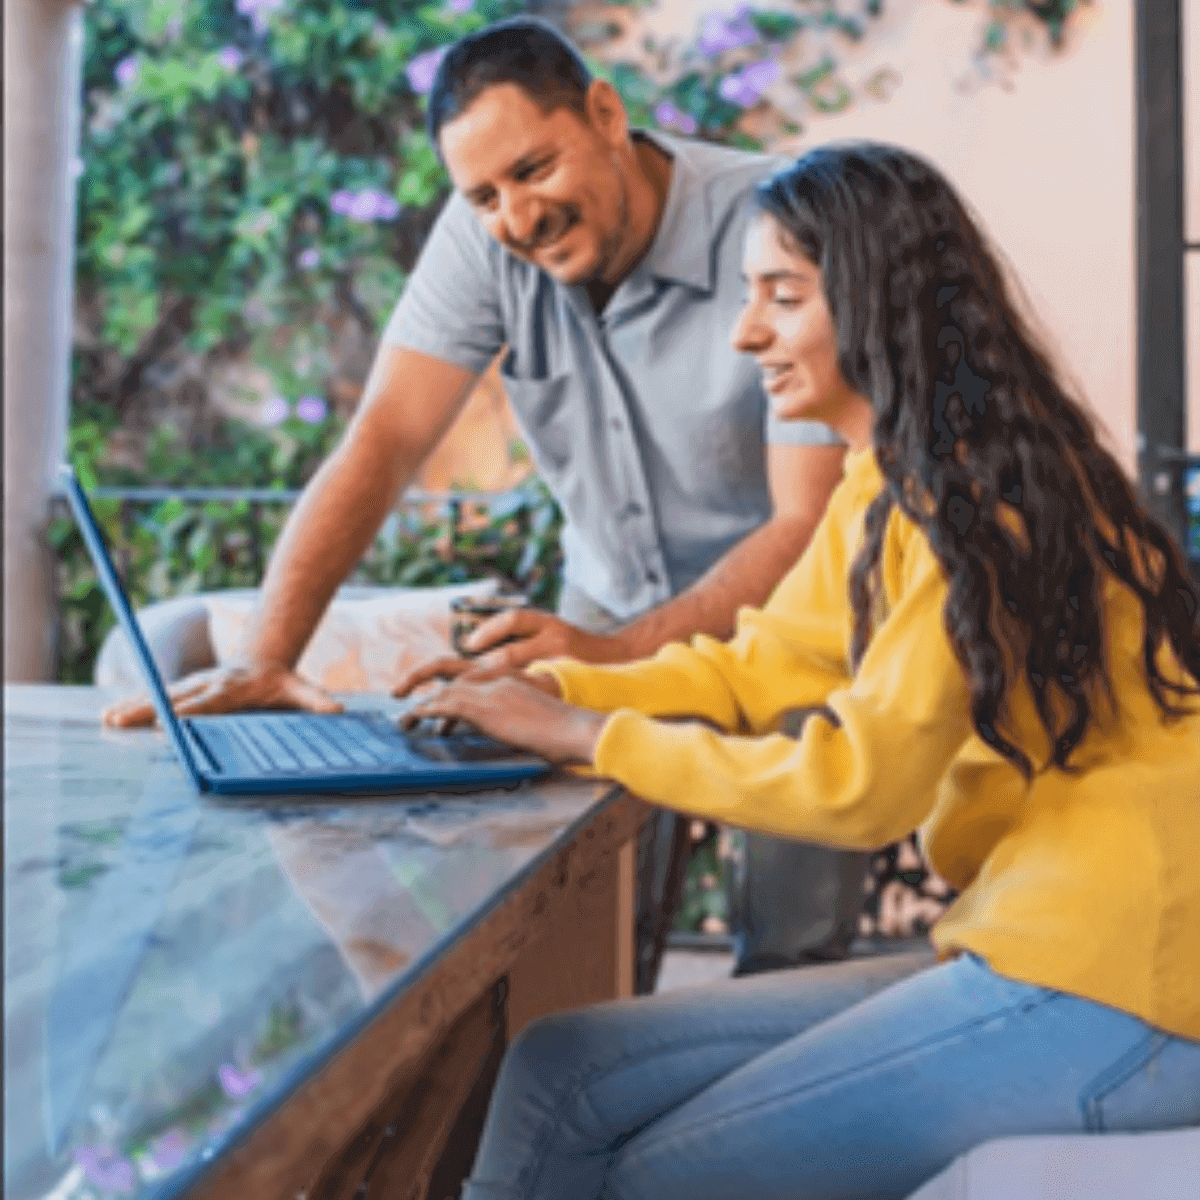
(858, 1079)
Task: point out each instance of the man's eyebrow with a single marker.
(528, 159)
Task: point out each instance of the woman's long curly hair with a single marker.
(982, 447)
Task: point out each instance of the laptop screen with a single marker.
(115, 592)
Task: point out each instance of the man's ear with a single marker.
(606, 112)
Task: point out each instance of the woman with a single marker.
(1002, 647)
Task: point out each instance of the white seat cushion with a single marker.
(367, 638)
(1107, 1166)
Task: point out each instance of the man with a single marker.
(608, 262)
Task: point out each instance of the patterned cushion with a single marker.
(367, 639)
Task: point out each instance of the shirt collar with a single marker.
(680, 251)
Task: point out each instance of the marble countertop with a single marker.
(175, 964)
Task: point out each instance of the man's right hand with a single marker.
(227, 689)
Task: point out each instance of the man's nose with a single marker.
(520, 216)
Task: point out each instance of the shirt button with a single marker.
(652, 577)
(633, 509)
(617, 424)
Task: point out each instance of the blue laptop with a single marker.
(258, 753)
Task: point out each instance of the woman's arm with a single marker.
(863, 775)
(789, 654)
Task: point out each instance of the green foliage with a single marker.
(174, 548)
(705, 87)
(251, 173)
(707, 885)
(220, 146)
(255, 175)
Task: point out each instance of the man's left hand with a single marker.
(528, 635)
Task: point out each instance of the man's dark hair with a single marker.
(522, 51)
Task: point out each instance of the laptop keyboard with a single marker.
(286, 743)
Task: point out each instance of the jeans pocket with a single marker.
(1155, 1084)
(1002, 991)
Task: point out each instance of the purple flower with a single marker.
(745, 87)
(719, 33)
(275, 410)
(258, 11)
(235, 1083)
(669, 117)
(365, 205)
(106, 1169)
(230, 57)
(460, 6)
(127, 70)
(423, 68)
(311, 409)
(167, 1152)
(309, 259)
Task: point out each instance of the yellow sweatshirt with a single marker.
(1086, 882)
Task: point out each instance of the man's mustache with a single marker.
(550, 227)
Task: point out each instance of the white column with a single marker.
(43, 50)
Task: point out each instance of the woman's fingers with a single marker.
(447, 667)
(518, 711)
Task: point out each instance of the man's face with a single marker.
(548, 186)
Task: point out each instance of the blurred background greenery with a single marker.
(255, 183)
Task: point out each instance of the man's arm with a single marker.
(802, 477)
(409, 402)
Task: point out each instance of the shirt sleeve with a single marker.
(789, 654)
(860, 776)
(450, 308)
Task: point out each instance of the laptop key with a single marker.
(254, 731)
(247, 745)
(382, 750)
(321, 737)
(305, 755)
(282, 754)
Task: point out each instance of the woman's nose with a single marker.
(749, 334)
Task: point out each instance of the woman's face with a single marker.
(787, 326)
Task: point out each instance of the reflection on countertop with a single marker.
(175, 965)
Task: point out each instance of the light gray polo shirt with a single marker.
(645, 423)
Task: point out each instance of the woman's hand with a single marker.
(522, 710)
(512, 640)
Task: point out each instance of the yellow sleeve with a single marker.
(789, 654)
(865, 776)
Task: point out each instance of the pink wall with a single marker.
(1047, 163)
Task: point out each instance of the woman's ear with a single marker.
(606, 112)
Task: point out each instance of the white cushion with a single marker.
(367, 638)
(1106, 1166)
